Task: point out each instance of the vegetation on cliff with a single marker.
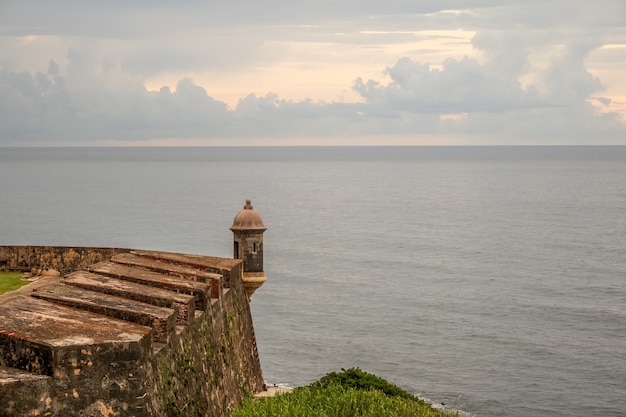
(350, 393)
(11, 281)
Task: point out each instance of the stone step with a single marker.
(183, 304)
(201, 290)
(165, 266)
(22, 393)
(168, 267)
(161, 319)
(38, 336)
(201, 262)
(13, 375)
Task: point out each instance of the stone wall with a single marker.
(101, 361)
(61, 258)
(209, 367)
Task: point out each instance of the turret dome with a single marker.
(248, 219)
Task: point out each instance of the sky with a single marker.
(289, 72)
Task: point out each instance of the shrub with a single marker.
(358, 379)
(350, 393)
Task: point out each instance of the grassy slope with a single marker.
(10, 281)
(351, 393)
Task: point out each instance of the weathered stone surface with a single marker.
(13, 376)
(201, 262)
(183, 304)
(165, 267)
(22, 392)
(89, 357)
(162, 320)
(201, 290)
(74, 362)
(49, 325)
(221, 266)
(210, 365)
(61, 258)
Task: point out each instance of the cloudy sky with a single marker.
(289, 72)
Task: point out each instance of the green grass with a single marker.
(10, 281)
(351, 393)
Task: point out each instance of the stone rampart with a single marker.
(126, 333)
(60, 258)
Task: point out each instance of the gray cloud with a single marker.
(121, 18)
(49, 107)
(95, 90)
(493, 102)
(461, 86)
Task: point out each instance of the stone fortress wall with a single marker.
(59, 258)
(125, 333)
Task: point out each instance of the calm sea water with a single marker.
(490, 279)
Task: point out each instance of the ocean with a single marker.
(490, 280)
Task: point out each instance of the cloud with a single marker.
(533, 72)
(461, 86)
(95, 99)
(489, 98)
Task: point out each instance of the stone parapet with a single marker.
(60, 258)
(133, 333)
